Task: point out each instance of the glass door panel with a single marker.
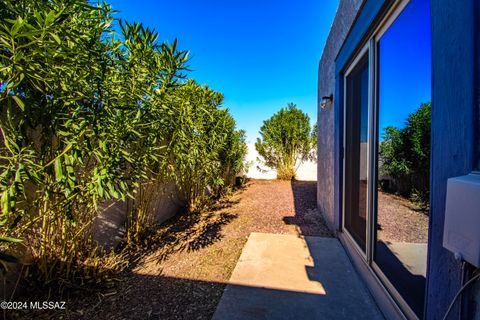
(356, 158)
(403, 159)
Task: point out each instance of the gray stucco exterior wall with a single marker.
(476, 290)
(346, 13)
(455, 128)
(477, 82)
(452, 150)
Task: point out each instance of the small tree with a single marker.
(405, 155)
(285, 139)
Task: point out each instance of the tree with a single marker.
(405, 155)
(315, 135)
(286, 138)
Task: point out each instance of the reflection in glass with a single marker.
(356, 152)
(404, 153)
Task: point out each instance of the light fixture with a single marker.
(326, 102)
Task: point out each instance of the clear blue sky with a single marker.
(405, 64)
(261, 54)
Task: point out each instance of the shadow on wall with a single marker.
(108, 228)
(179, 298)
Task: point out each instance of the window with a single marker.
(356, 151)
(387, 152)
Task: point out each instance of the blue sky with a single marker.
(259, 54)
(405, 64)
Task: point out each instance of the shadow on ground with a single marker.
(138, 294)
(163, 303)
(186, 231)
(120, 295)
(308, 219)
(410, 286)
(286, 277)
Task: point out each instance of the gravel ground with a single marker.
(400, 220)
(185, 277)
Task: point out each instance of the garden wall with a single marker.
(109, 227)
(307, 171)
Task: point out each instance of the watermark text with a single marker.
(32, 305)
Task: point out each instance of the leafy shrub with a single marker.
(285, 139)
(204, 149)
(405, 155)
(86, 117)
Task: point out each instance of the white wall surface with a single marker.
(306, 171)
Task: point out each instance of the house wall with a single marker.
(455, 127)
(473, 299)
(477, 80)
(346, 13)
(452, 153)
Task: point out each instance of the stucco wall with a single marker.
(108, 228)
(477, 81)
(346, 13)
(452, 152)
(476, 289)
(453, 97)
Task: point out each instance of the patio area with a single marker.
(295, 277)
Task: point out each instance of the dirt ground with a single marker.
(400, 220)
(184, 278)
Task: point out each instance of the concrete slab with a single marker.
(412, 255)
(405, 265)
(294, 277)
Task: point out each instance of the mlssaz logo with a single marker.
(49, 305)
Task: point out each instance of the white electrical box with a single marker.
(461, 233)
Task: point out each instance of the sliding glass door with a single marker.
(403, 159)
(387, 152)
(356, 136)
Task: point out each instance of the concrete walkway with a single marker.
(293, 277)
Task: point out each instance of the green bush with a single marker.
(87, 116)
(405, 155)
(286, 138)
(205, 152)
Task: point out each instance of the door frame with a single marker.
(383, 285)
(351, 67)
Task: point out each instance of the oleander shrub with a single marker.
(87, 116)
(204, 149)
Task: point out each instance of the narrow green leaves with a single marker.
(55, 37)
(88, 118)
(58, 169)
(19, 102)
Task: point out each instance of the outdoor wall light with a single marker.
(326, 102)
